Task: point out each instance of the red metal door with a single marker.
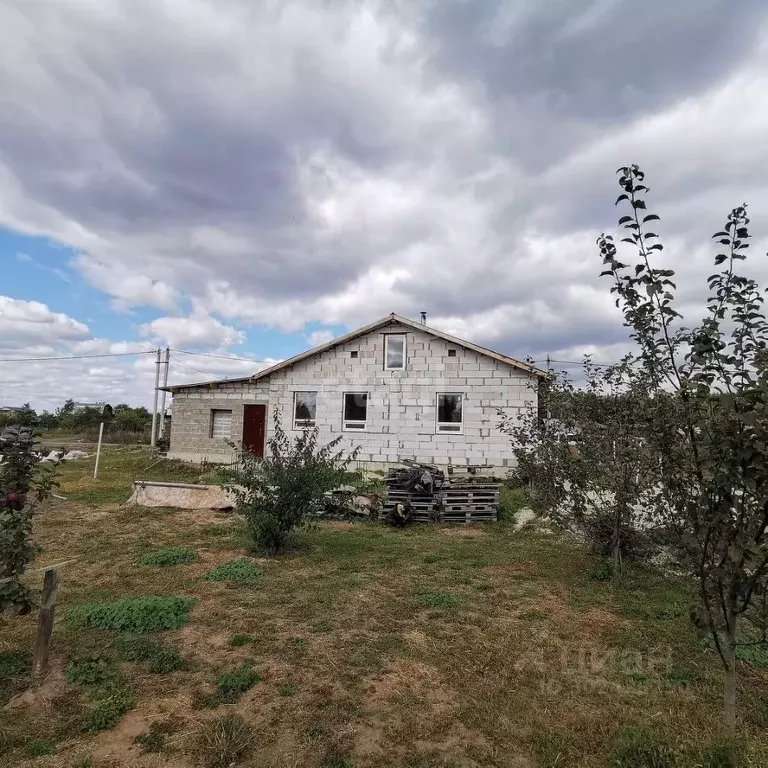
(255, 428)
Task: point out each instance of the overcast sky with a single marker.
(248, 179)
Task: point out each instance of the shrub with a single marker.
(90, 671)
(38, 748)
(23, 487)
(108, 711)
(134, 614)
(241, 570)
(278, 494)
(231, 684)
(224, 741)
(159, 659)
(168, 556)
(639, 748)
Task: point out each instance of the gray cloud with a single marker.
(287, 163)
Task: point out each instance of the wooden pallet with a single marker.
(460, 503)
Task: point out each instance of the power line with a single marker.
(191, 368)
(575, 362)
(220, 357)
(72, 357)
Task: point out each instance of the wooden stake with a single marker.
(45, 623)
(98, 452)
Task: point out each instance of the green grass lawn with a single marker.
(118, 468)
(365, 646)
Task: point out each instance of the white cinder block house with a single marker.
(396, 388)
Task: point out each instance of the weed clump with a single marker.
(90, 671)
(107, 711)
(168, 556)
(443, 600)
(224, 741)
(639, 748)
(159, 659)
(240, 570)
(134, 614)
(231, 685)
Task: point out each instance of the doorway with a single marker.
(255, 428)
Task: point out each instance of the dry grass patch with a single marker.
(532, 664)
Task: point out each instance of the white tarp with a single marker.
(180, 495)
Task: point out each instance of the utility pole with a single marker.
(165, 384)
(153, 440)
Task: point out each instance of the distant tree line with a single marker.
(70, 418)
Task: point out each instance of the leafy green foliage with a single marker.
(224, 741)
(241, 570)
(278, 494)
(107, 712)
(442, 600)
(237, 681)
(91, 671)
(168, 556)
(587, 462)
(159, 659)
(134, 614)
(38, 748)
(706, 417)
(639, 748)
(23, 487)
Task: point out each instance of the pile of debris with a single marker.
(422, 493)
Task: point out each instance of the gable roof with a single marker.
(392, 319)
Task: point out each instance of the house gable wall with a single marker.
(401, 404)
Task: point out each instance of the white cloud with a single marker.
(318, 338)
(23, 257)
(331, 163)
(198, 330)
(24, 324)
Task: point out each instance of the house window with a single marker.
(450, 413)
(221, 425)
(355, 410)
(451, 353)
(394, 352)
(304, 410)
(353, 354)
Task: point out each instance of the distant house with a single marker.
(397, 388)
(8, 409)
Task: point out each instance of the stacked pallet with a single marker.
(441, 501)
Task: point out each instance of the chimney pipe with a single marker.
(423, 318)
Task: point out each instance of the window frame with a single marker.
(439, 424)
(211, 433)
(387, 338)
(307, 423)
(345, 421)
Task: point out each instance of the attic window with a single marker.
(353, 354)
(394, 352)
(451, 353)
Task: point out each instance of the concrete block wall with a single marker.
(401, 404)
